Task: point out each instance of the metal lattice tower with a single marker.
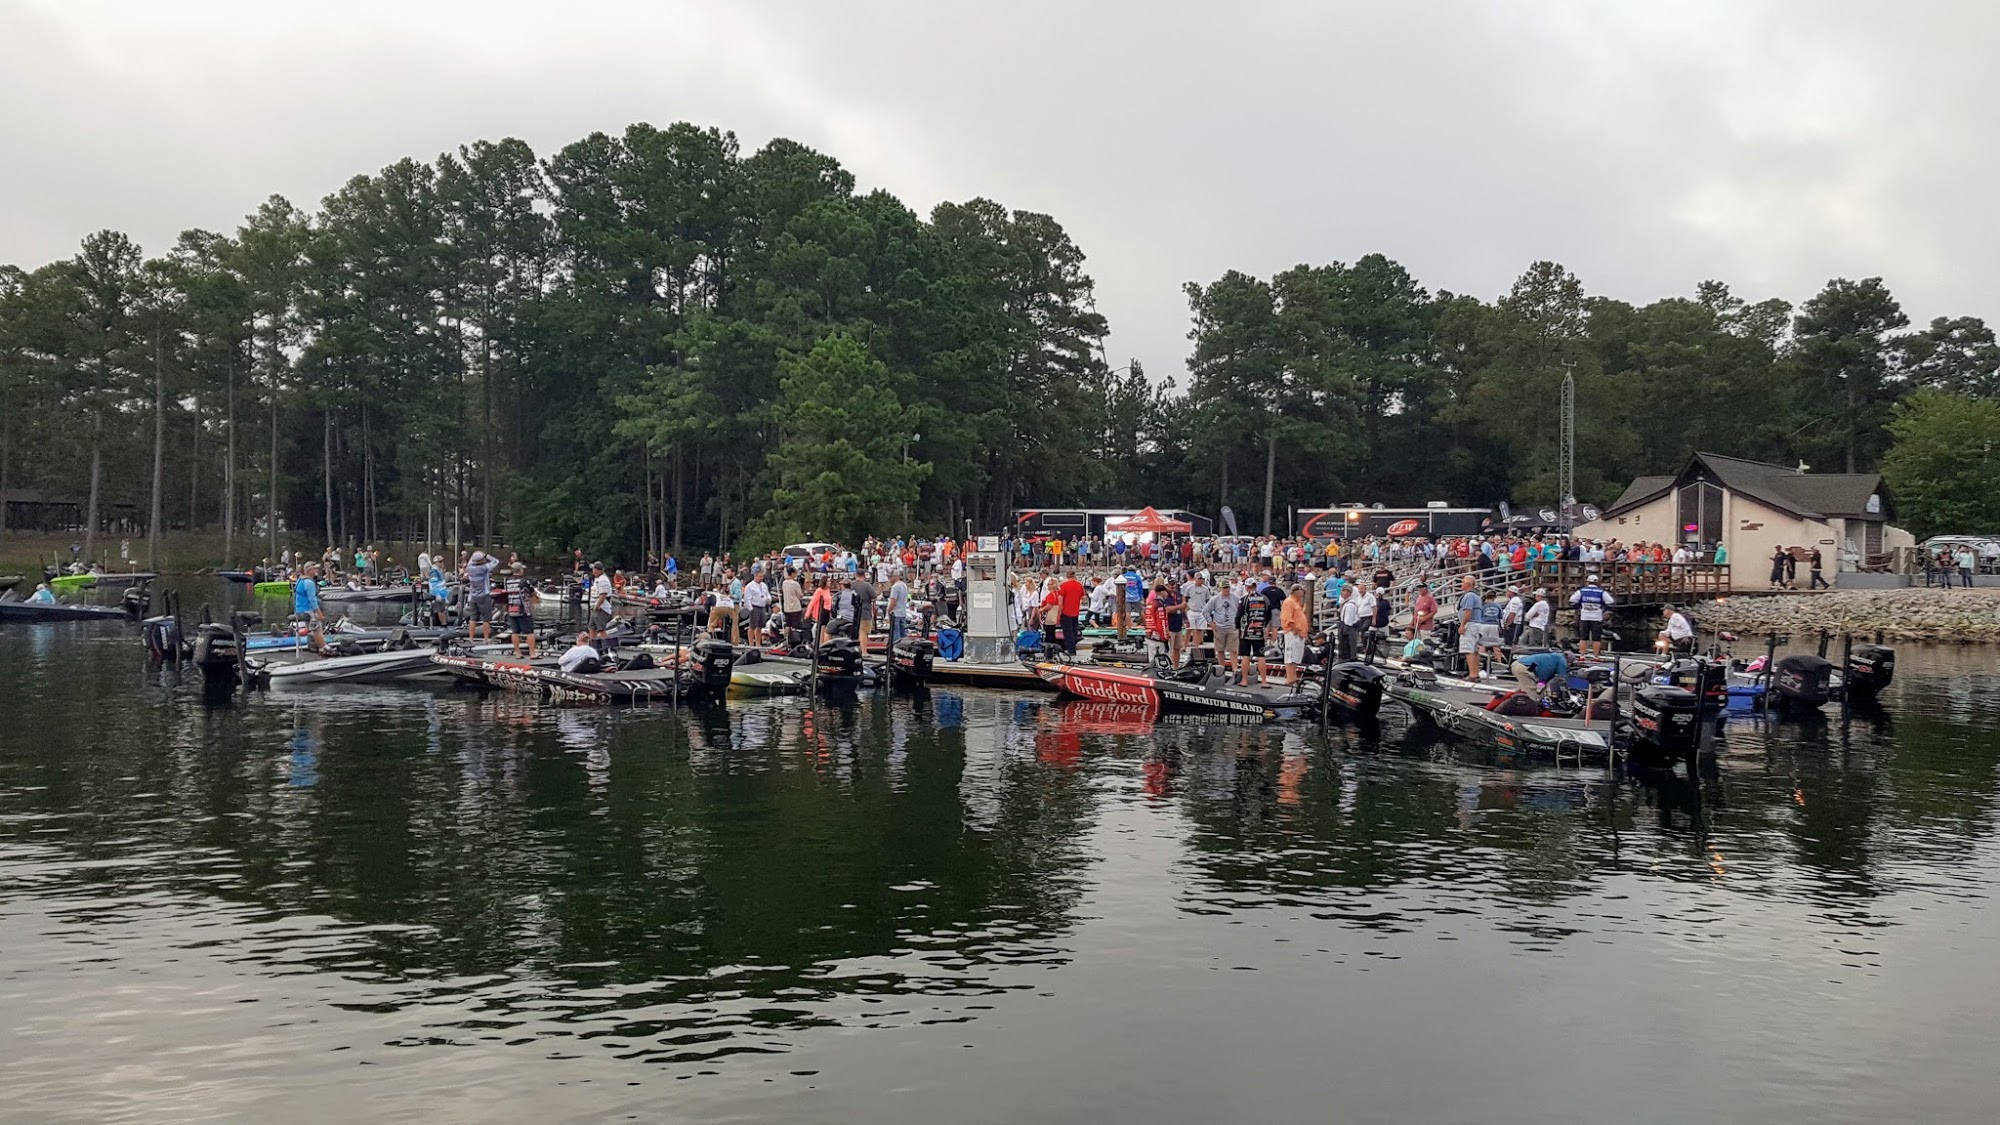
(1566, 449)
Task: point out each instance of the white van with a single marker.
(796, 551)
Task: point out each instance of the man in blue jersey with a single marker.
(1590, 602)
(1124, 609)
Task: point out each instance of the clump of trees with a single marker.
(639, 342)
(1352, 383)
(653, 340)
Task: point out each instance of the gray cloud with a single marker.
(1646, 146)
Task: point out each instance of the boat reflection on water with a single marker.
(734, 894)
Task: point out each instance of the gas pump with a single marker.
(989, 624)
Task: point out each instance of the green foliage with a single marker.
(1844, 356)
(1944, 468)
(655, 341)
(840, 469)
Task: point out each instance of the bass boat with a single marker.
(15, 610)
(1355, 689)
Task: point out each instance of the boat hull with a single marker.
(35, 611)
(1207, 695)
(1462, 713)
(366, 668)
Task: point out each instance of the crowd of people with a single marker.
(1253, 602)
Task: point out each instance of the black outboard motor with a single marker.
(840, 657)
(1869, 670)
(714, 661)
(913, 657)
(1355, 688)
(1708, 680)
(1802, 681)
(217, 655)
(1666, 720)
(164, 643)
(137, 600)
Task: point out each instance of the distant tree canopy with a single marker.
(651, 341)
(1351, 383)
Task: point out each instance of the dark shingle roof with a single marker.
(1810, 495)
(1638, 492)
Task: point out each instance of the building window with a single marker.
(1700, 512)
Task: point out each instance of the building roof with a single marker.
(1638, 492)
(1807, 495)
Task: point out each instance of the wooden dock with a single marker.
(1633, 585)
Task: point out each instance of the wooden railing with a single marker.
(1632, 583)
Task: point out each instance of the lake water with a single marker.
(391, 904)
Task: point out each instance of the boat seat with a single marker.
(1516, 703)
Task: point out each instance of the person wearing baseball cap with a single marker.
(1539, 616)
(305, 602)
(1590, 602)
(599, 600)
(479, 596)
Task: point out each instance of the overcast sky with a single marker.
(1644, 145)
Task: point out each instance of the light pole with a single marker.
(907, 443)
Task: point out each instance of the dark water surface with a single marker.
(393, 904)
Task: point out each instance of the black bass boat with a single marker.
(1654, 719)
(14, 610)
(1488, 718)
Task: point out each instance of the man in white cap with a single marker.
(1512, 617)
(1590, 603)
(600, 602)
(1537, 620)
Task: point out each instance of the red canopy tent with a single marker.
(1148, 519)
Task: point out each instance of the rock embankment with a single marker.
(1955, 616)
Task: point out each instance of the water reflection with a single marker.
(681, 887)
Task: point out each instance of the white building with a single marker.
(1753, 509)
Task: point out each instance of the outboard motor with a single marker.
(137, 600)
(1870, 668)
(913, 657)
(1709, 681)
(1667, 719)
(714, 661)
(1356, 687)
(1803, 681)
(216, 654)
(164, 643)
(840, 657)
